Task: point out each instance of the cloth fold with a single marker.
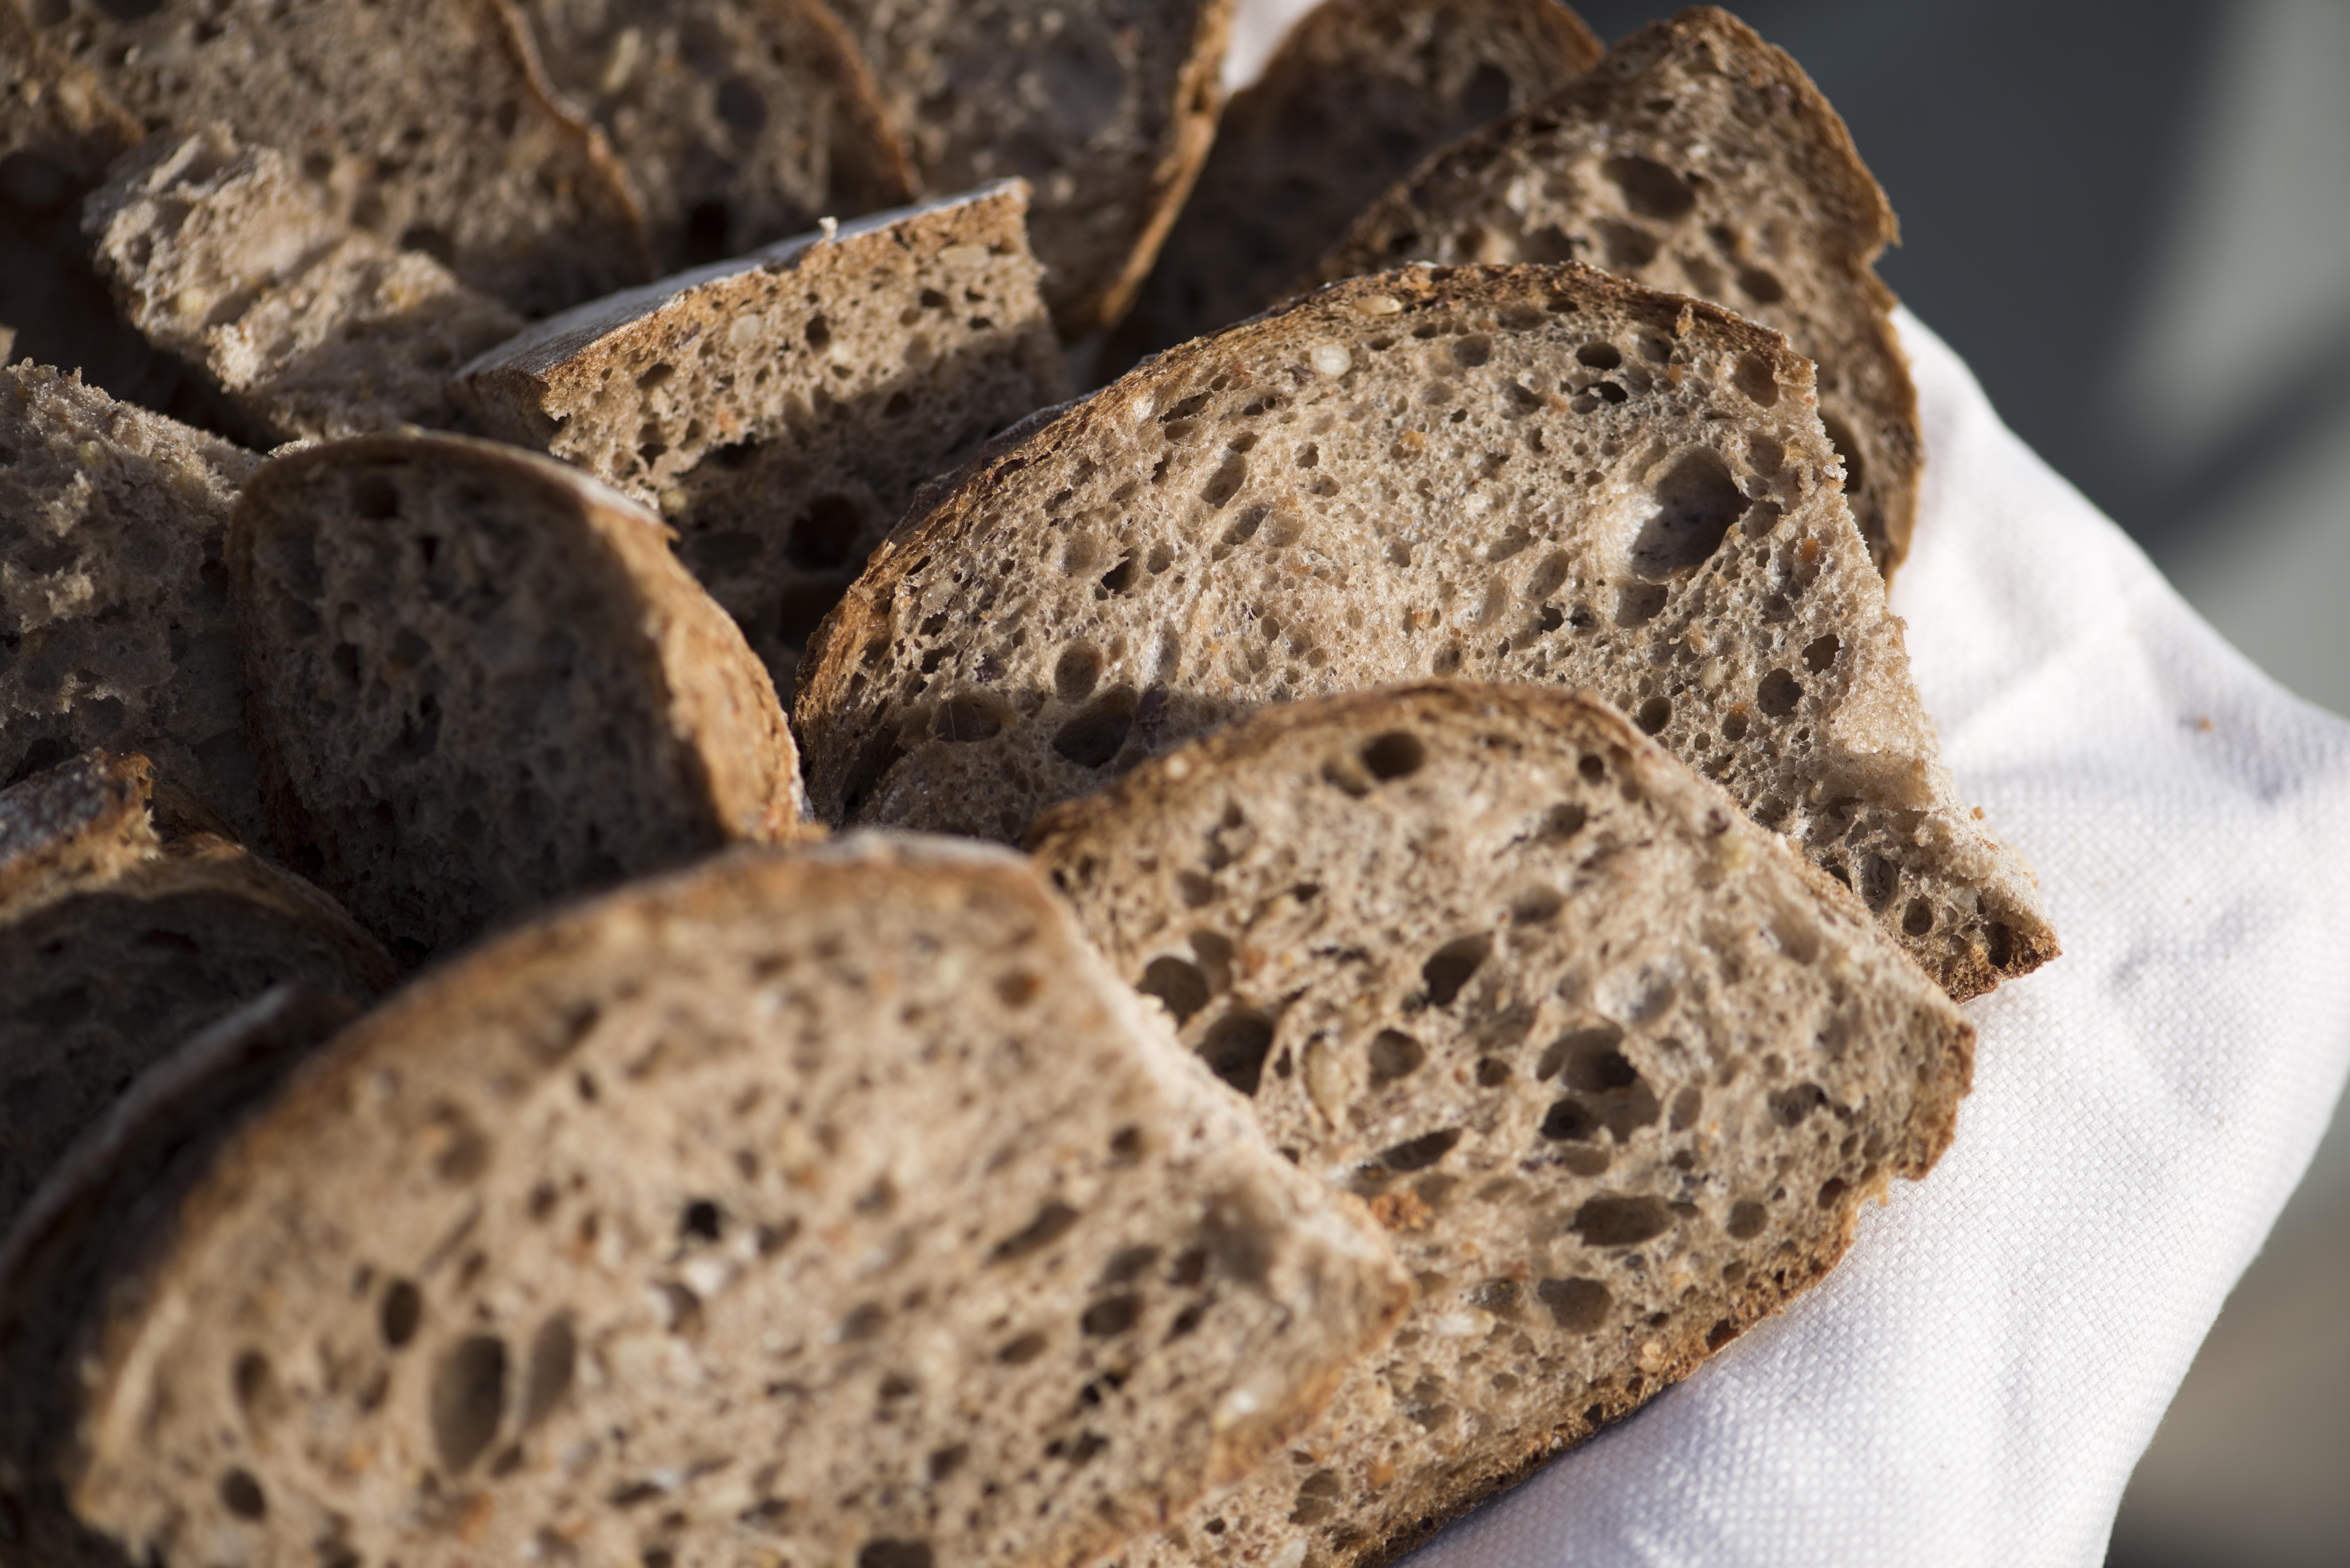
(1977, 1379)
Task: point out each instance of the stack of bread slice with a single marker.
(1491, 908)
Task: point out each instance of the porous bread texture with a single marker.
(1357, 93)
(121, 934)
(1533, 473)
(115, 626)
(782, 409)
(833, 1207)
(1616, 1067)
(739, 122)
(105, 1205)
(426, 123)
(1105, 107)
(1700, 160)
(481, 680)
(220, 254)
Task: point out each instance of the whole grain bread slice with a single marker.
(782, 409)
(426, 123)
(1617, 1067)
(1539, 473)
(1105, 107)
(836, 1204)
(480, 680)
(313, 329)
(114, 593)
(739, 122)
(104, 1205)
(1359, 92)
(1697, 158)
(126, 925)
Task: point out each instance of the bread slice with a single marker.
(481, 680)
(1357, 93)
(125, 926)
(113, 593)
(313, 329)
(85, 1227)
(739, 122)
(1538, 473)
(838, 1206)
(1617, 1067)
(1105, 108)
(781, 410)
(426, 123)
(1700, 160)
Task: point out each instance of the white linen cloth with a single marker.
(1975, 1382)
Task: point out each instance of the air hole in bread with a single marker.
(1117, 579)
(888, 1553)
(241, 1495)
(256, 1386)
(1655, 714)
(1651, 188)
(468, 1399)
(400, 1312)
(1077, 670)
(1570, 1121)
(1791, 1106)
(1561, 823)
(554, 1352)
(1097, 735)
(1394, 1054)
(1394, 756)
(1831, 1191)
(1600, 356)
(819, 332)
(1628, 246)
(464, 1152)
(1754, 377)
(1472, 349)
(1020, 1352)
(1821, 652)
(1577, 1305)
(1491, 1072)
(969, 717)
(1051, 1222)
(1450, 968)
(1999, 944)
(1761, 285)
(1778, 693)
(1840, 437)
(1420, 1153)
(1621, 1221)
(1179, 987)
(1637, 604)
(1226, 482)
(1747, 1219)
(1917, 919)
(1236, 1047)
(1697, 502)
(701, 1220)
(1110, 1316)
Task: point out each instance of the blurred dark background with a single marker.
(2133, 222)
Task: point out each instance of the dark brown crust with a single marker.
(1859, 223)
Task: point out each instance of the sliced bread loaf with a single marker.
(1105, 107)
(1357, 93)
(1617, 1067)
(739, 122)
(426, 123)
(836, 1207)
(781, 410)
(114, 607)
(480, 680)
(105, 1203)
(1539, 473)
(1698, 159)
(313, 329)
(124, 928)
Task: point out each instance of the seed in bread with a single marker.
(481, 680)
(1106, 108)
(106, 1202)
(1617, 1067)
(113, 593)
(781, 410)
(1700, 160)
(126, 926)
(836, 1206)
(313, 329)
(1357, 93)
(427, 123)
(739, 122)
(1536, 473)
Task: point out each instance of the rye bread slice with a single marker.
(125, 926)
(1359, 92)
(1616, 1067)
(481, 680)
(1105, 107)
(426, 123)
(220, 254)
(105, 1204)
(835, 1207)
(1538, 473)
(739, 122)
(1700, 160)
(781, 410)
(113, 591)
